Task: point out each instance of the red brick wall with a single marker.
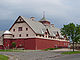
(44, 44)
(30, 44)
(8, 43)
(19, 43)
(34, 43)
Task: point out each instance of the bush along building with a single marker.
(27, 33)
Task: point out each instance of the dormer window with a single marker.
(42, 31)
(46, 33)
(19, 28)
(53, 34)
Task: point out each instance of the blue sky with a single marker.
(59, 12)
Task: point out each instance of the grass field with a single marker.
(11, 50)
(50, 49)
(71, 52)
(2, 57)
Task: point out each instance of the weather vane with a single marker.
(43, 13)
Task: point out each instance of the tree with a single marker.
(72, 31)
(13, 44)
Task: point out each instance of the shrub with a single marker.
(13, 44)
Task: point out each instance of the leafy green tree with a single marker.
(72, 31)
(13, 44)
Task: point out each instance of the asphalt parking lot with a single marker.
(69, 57)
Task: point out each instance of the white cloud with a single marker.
(59, 10)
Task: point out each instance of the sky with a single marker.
(58, 12)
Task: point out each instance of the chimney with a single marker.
(32, 18)
(52, 25)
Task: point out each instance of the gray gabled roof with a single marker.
(53, 30)
(39, 28)
(1, 33)
(35, 25)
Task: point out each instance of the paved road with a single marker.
(36, 55)
(69, 57)
(40, 55)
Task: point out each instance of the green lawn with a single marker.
(71, 52)
(50, 49)
(2, 57)
(11, 50)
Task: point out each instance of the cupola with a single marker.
(44, 20)
(32, 18)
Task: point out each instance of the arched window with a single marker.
(26, 35)
(13, 35)
(26, 29)
(13, 29)
(19, 35)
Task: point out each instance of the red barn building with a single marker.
(28, 33)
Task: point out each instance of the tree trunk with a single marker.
(73, 46)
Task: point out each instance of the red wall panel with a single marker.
(44, 44)
(34, 43)
(30, 44)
